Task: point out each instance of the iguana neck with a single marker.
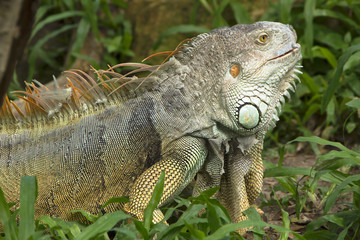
(197, 71)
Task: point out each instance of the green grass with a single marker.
(214, 222)
(61, 29)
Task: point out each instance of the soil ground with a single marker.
(272, 213)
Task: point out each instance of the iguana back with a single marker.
(83, 164)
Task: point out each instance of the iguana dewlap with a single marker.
(204, 112)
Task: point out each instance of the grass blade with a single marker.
(81, 34)
(116, 200)
(286, 224)
(54, 18)
(8, 223)
(335, 80)
(213, 218)
(90, 8)
(154, 201)
(355, 103)
(286, 171)
(35, 50)
(309, 28)
(28, 194)
(141, 229)
(195, 232)
(318, 140)
(102, 225)
(52, 224)
(179, 29)
(285, 10)
(240, 13)
(334, 195)
(338, 15)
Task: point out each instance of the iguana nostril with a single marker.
(249, 116)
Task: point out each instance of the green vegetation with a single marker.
(61, 29)
(213, 223)
(326, 104)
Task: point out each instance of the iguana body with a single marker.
(204, 112)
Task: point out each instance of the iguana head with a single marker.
(261, 61)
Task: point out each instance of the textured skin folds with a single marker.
(203, 113)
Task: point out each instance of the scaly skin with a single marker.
(205, 112)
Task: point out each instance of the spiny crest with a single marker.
(289, 85)
(192, 44)
(199, 40)
(81, 92)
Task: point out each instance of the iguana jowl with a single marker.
(204, 112)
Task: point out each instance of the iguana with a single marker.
(202, 113)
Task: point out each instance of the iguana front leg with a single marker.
(254, 177)
(242, 181)
(181, 161)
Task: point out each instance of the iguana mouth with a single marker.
(295, 49)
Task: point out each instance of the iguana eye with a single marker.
(234, 70)
(263, 38)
